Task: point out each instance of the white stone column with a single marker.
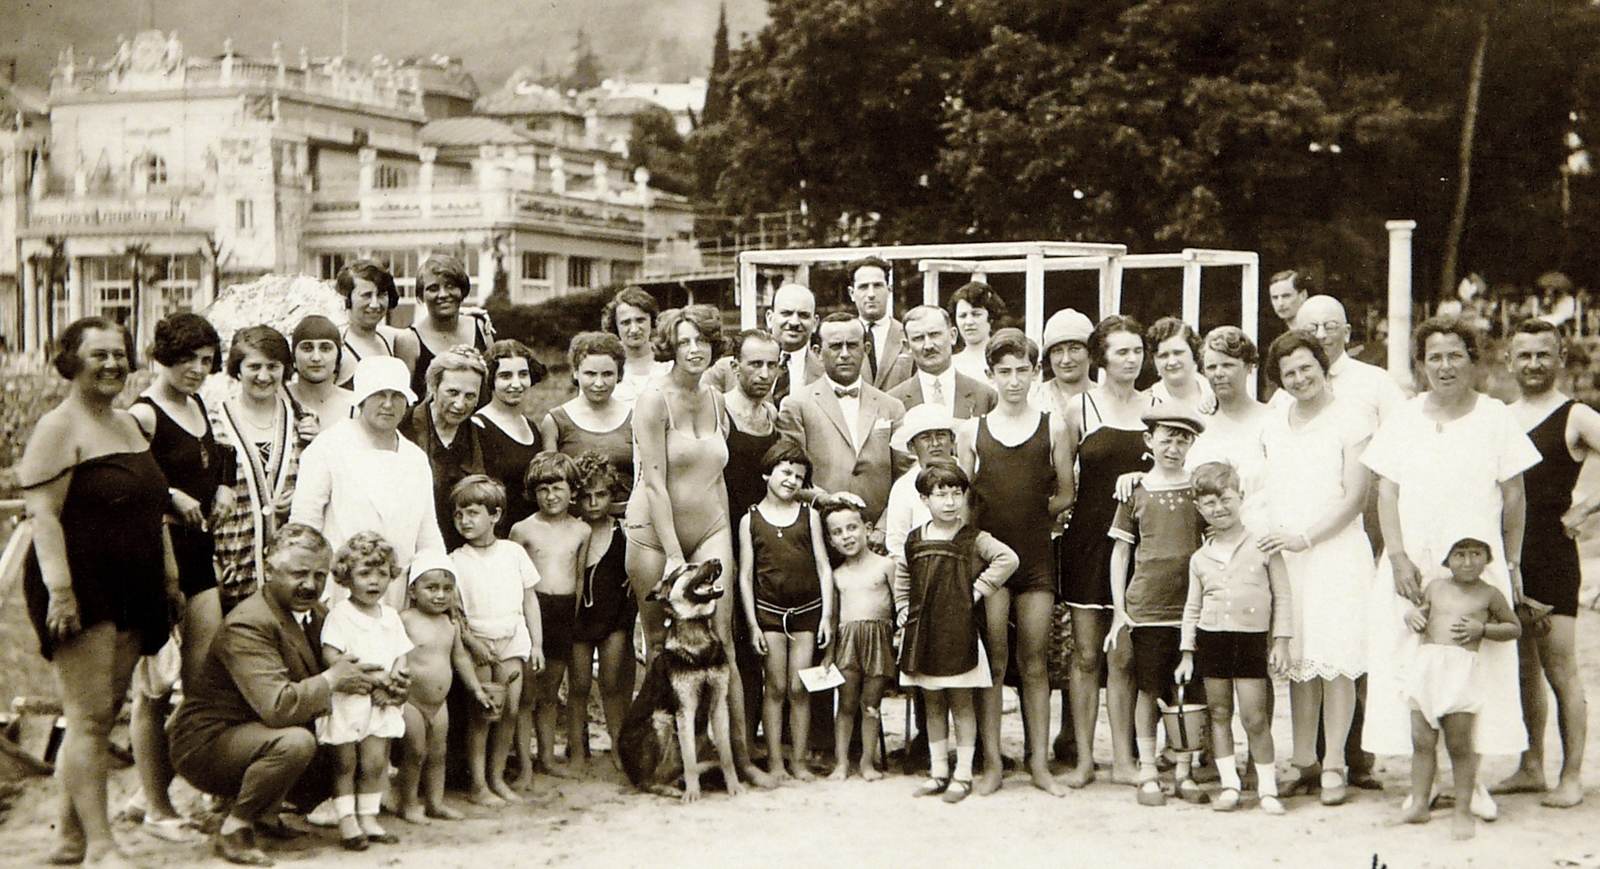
(369, 166)
(1400, 299)
(75, 299)
(30, 302)
(427, 154)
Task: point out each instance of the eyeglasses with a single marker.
(1329, 327)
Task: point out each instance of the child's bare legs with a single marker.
(1255, 713)
(346, 766)
(374, 754)
(1034, 610)
(488, 742)
(147, 732)
(964, 715)
(936, 707)
(544, 717)
(579, 686)
(617, 666)
(422, 764)
(802, 647)
(1145, 717)
(871, 727)
(1219, 697)
(777, 681)
(844, 725)
(413, 757)
(1120, 695)
(1424, 763)
(997, 642)
(1458, 742)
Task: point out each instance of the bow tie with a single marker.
(847, 391)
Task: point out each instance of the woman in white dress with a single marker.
(1233, 431)
(1316, 487)
(1450, 466)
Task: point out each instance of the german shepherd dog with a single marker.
(684, 691)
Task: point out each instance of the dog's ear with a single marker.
(659, 590)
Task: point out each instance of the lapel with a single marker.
(966, 398)
(893, 343)
(295, 634)
(829, 403)
(867, 418)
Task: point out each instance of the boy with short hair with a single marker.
(1157, 530)
(1455, 617)
(504, 631)
(558, 544)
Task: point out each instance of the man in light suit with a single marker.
(887, 363)
(842, 422)
(931, 339)
(243, 730)
(792, 320)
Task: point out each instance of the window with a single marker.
(60, 306)
(387, 177)
(329, 265)
(153, 169)
(580, 272)
(177, 281)
(535, 266)
(402, 266)
(109, 282)
(244, 212)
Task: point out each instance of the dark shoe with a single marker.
(239, 847)
(957, 791)
(280, 831)
(932, 787)
(1307, 783)
(354, 843)
(384, 838)
(1364, 780)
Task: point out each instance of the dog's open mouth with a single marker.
(707, 584)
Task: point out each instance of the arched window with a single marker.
(153, 169)
(388, 177)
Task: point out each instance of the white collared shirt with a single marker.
(946, 386)
(797, 367)
(851, 408)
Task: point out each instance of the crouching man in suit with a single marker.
(244, 729)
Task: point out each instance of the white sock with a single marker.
(231, 824)
(939, 759)
(1147, 756)
(964, 762)
(368, 804)
(1185, 765)
(345, 806)
(1267, 779)
(1228, 771)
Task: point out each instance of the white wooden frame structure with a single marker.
(1030, 258)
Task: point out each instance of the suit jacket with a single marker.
(722, 378)
(261, 667)
(894, 363)
(812, 418)
(973, 398)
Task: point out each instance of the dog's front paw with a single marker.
(691, 791)
(735, 787)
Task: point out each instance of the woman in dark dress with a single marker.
(441, 425)
(443, 284)
(1106, 438)
(508, 440)
(173, 417)
(101, 582)
(594, 420)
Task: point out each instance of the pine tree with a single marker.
(716, 107)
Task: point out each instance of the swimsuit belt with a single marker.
(786, 613)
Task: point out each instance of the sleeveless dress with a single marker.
(694, 475)
(1013, 486)
(195, 466)
(1550, 570)
(506, 459)
(451, 463)
(743, 474)
(616, 445)
(111, 522)
(605, 603)
(419, 375)
(1084, 549)
(942, 646)
(787, 590)
(350, 356)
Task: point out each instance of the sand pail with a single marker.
(1185, 723)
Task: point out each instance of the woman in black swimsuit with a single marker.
(443, 283)
(509, 441)
(369, 295)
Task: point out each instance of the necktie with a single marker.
(780, 387)
(312, 639)
(872, 350)
(847, 391)
(938, 392)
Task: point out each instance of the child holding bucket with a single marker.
(1156, 531)
(1236, 627)
(496, 579)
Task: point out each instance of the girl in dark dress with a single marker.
(594, 420)
(606, 607)
(509, 442)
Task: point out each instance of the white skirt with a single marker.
(1329, 589)
(354, 718)
(977, 677)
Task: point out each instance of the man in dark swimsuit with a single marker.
(1566, 433)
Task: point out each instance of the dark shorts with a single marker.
(1155, 658)
(195, 552)
(1550, 568)
(778, 619)
(1231, 654)
(557, 614)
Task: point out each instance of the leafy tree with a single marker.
(657, 145)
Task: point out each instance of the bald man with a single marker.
(1368, 387)
(792, 320)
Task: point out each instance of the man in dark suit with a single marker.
(931, 340)
(886, 362)
(792, 320)
(243, 730)
(842, 422)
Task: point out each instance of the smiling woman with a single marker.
(440, 426)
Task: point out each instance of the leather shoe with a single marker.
(239, 847)
(1364, 780)
(354, 843)
(280, 831)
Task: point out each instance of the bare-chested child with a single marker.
(437, 657)
(864, 650)
(1455, 617)
(558, 543)
(504, 635)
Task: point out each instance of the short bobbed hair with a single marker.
(66, 360)
(179, 336)
(267, 341)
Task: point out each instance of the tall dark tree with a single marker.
(716, 108)
(587, 71)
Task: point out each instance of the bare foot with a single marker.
(504, 791)
(66, 854)
(1523, 781)
(1128, 775)
(989, 781)
(485, 797)
(778, 775)
(110, 858)
(870, 772)
(842, 772)
(413, 813)
(1079, 777)
(444, 813)
(803, 772)
(578, 766)
(1462, 826)
(1044, 781)
(1414, 812)
(1566, 795)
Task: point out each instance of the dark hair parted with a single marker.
(633, 297)
(856, 265)
(66, 360)
(1103, 331)
(784, 451)
(1214, 478)
(368, 271)
(980, 295)
(448, 271)
(1302, 282)
(833, 505)
(267, 341)
(705, 318)
(586, 344)
(1471, 338)
(1010, 342)
(1172, 327)
(1288, 343)
(941, 474)
(510, 348)
(480, 489)
(550, 467)
(1231, 341)
(182, 335)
